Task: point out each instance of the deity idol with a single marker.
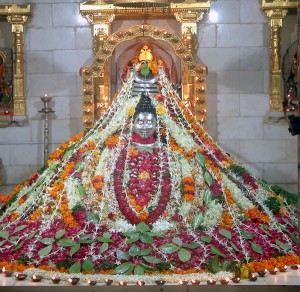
(146, 195)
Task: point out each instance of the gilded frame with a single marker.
(101, 14)
(17, 16)
(105, 49)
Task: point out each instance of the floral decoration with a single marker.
(172, 206)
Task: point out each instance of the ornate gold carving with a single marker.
(276, 10)
(17, 16)
(144, 4)
(100, 13)
(99, 7)
(105, 51)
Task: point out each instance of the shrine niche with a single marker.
(12, 93)
(6, 81)
(118, 37)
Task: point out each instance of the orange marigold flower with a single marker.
(143, 216)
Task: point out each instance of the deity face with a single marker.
(144, 125)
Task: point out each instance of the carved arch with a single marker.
(105, 49)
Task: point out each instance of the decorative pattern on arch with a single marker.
(105, 49)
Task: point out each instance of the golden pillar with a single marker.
(96, 92)
(17, 16)
(275, 21)
(17, 22)
(193, 87)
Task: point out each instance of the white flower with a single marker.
(237, 194)
(213, 215)
(72, 192)
(122, 225)
(162, 225)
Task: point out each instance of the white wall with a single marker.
(58, 41)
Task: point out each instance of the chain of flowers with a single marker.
(174, 177)
(175, 174)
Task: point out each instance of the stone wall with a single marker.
(234, 45)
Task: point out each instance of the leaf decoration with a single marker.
(208, 178)
(264, 227)
(134, 250)
(295, 239)
(246, 235)
(122, 255)
(4, 234)
(45, 251)
(191, 245)
(216, 251)
(79, 166)
(74, 249)
(145, 71)
(133, 238)
(146, 251)
(81, 190)
(207, 196)
(169, 248)
(60, 233)
(206, 239)
(197, 220)
(200, 159)
(123, 268)
(234, 246)
(256, 247)
(287, 221)
(18, 246)
(129, 271)
(284, 246)
(104, 239)
(19, 228)
(226, 233)
(86, 241)
(215, 264)
(148, 268)
(2, 242)
(184, 255)
(143, 227)
(14, 238)
(152, 260)
(106, 235)
(146, 238)
(75, 268)
(177, 240)
(47, 240)
(93, 217)
(84, 236)
(104, 247)
(32, 234)
(226, 265)
(88, 265)
(66, 242)
(139, 270)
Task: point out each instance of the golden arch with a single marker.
(94, 75)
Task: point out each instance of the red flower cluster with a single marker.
(250, 180)
(143, 185)
(137, 139)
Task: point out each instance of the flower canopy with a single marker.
(109, 202)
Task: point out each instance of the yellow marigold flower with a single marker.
(144, 175)
(130, 111)
(160, 109)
